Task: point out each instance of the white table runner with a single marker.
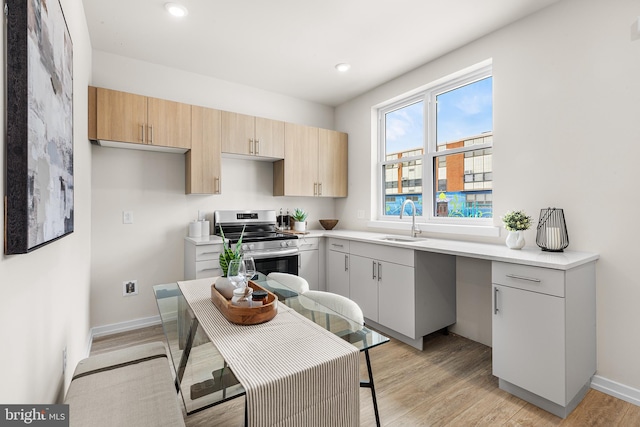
(295, 373)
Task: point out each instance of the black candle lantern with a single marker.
(552, 230)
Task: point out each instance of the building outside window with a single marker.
(436, 150)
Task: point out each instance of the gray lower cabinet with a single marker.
(201, 260)
(384, 291)
(544, 333)
(309, 261)
(409, 293)
(338, 266)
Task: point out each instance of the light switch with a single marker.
(127, 217)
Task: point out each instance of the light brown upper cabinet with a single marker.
(203, 160)
(252, 136)
(333, 155)
(126, 117)
(315, 163)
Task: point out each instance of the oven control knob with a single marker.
(251, 246)
(283, 244)
(289, 243)
(245, 247)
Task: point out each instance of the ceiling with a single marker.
(291, 46)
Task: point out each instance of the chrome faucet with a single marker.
(414, 230)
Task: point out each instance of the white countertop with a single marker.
(492, 252)
(205, 240)
(528, 256)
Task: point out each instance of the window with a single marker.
(442, 138)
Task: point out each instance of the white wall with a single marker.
(45, 294)
(152, 186)
(566, 132)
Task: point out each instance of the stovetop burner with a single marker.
(258, 226)
(249, 238)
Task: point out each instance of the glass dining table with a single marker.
(202, 375)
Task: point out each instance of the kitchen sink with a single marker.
(403, 239)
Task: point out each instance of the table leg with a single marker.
(186, 352)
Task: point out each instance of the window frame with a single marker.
(428, 96)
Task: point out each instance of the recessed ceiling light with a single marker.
(176, 9)
(343, 67)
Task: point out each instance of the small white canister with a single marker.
(242, 297)
(205, 228)
(195, 229)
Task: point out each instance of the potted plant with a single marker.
(299, 216)
(516, 222)
(222, 283)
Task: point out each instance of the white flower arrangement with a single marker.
(516, 220)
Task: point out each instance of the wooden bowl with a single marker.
(328, 224)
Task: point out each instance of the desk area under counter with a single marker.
(542, 305)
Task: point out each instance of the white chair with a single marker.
(291, 282)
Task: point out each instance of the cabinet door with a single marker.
(363, 285)
(238, 132)
(332, 163)
(396, 296)
(269, 138)
(338, 273)
(300, 160)
(308, 268)
(169, 123)
(120, 116)
(528, 341)
(203, 160)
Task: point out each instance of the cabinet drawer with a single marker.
(208, 269)
(308, 244)
(392, 254)
(339, 245)
(208, 252)
(536, 279)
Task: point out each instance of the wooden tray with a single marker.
(246, 315)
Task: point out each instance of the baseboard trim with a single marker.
(130, 325)
(615, 389)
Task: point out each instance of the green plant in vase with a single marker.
(299, 216)
(227, 254)
(222, 283)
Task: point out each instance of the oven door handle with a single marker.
(273, 253)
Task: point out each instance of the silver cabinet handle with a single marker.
(337, 245)
(142, 133)
(495, 301)
(379, 271)
(319, 189)
(346, 262)
(150, 134)
(209, 253)
(257, 146)
(250, 145)
(209, 269)
(374, 270)
(315, 188)
(528, 279)
(217, 184)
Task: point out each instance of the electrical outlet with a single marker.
(64, 360)
(129, 288)
(360, 214)
(127, 217)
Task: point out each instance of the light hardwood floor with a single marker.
(448, 384)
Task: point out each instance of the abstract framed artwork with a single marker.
(39, 186)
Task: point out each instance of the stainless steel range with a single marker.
(271, 250)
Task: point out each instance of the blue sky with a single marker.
(462, 112)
